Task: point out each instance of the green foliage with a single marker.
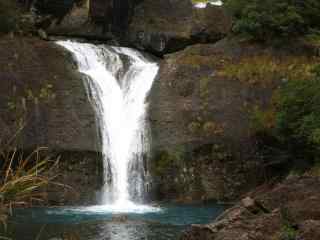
(262, 121)
(9, 16)
(288, 229)
(298, 113)
(290, 128)
(273, 19)
(288, 233)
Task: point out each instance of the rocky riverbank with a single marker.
(287, 210)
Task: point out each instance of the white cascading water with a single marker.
(120, 79)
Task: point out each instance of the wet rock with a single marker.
(253, 206)
(42, 34)
(120, 218)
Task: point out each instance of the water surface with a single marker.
(85, 223)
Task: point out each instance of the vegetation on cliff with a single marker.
(289, 129)
(274, 19)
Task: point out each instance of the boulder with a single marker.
(164, 26)
(76, 22)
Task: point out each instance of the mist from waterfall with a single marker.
(119, 82)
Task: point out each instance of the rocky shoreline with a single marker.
(287, 210)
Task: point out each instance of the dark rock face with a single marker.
(201, 125)
(41, 89)
(158, 26)
(90, 19)
(291, 212)
(74, 22)
(164, 26)
(56, 8)
(201, 113)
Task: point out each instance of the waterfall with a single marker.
(119, 82)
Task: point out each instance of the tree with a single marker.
(265, 20)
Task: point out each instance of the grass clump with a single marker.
(24, 178)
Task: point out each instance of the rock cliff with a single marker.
(202, 113)
(43, 94)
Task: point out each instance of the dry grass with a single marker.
(23, 180)
(265, 69)
(23, 177)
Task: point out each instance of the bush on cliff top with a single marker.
(268, 20)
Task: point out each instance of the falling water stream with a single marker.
(119, 82)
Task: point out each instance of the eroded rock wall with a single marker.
(43, 94)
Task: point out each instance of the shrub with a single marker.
(290, 128)
(298, 113)
(267, 20)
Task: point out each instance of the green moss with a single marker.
(262, 120)
(204, 87)
(288, 233)
(196, 61)
(194, 127)
(218, 152)
(210, 128)
(166, 160)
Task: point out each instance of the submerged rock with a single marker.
(119, 218)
